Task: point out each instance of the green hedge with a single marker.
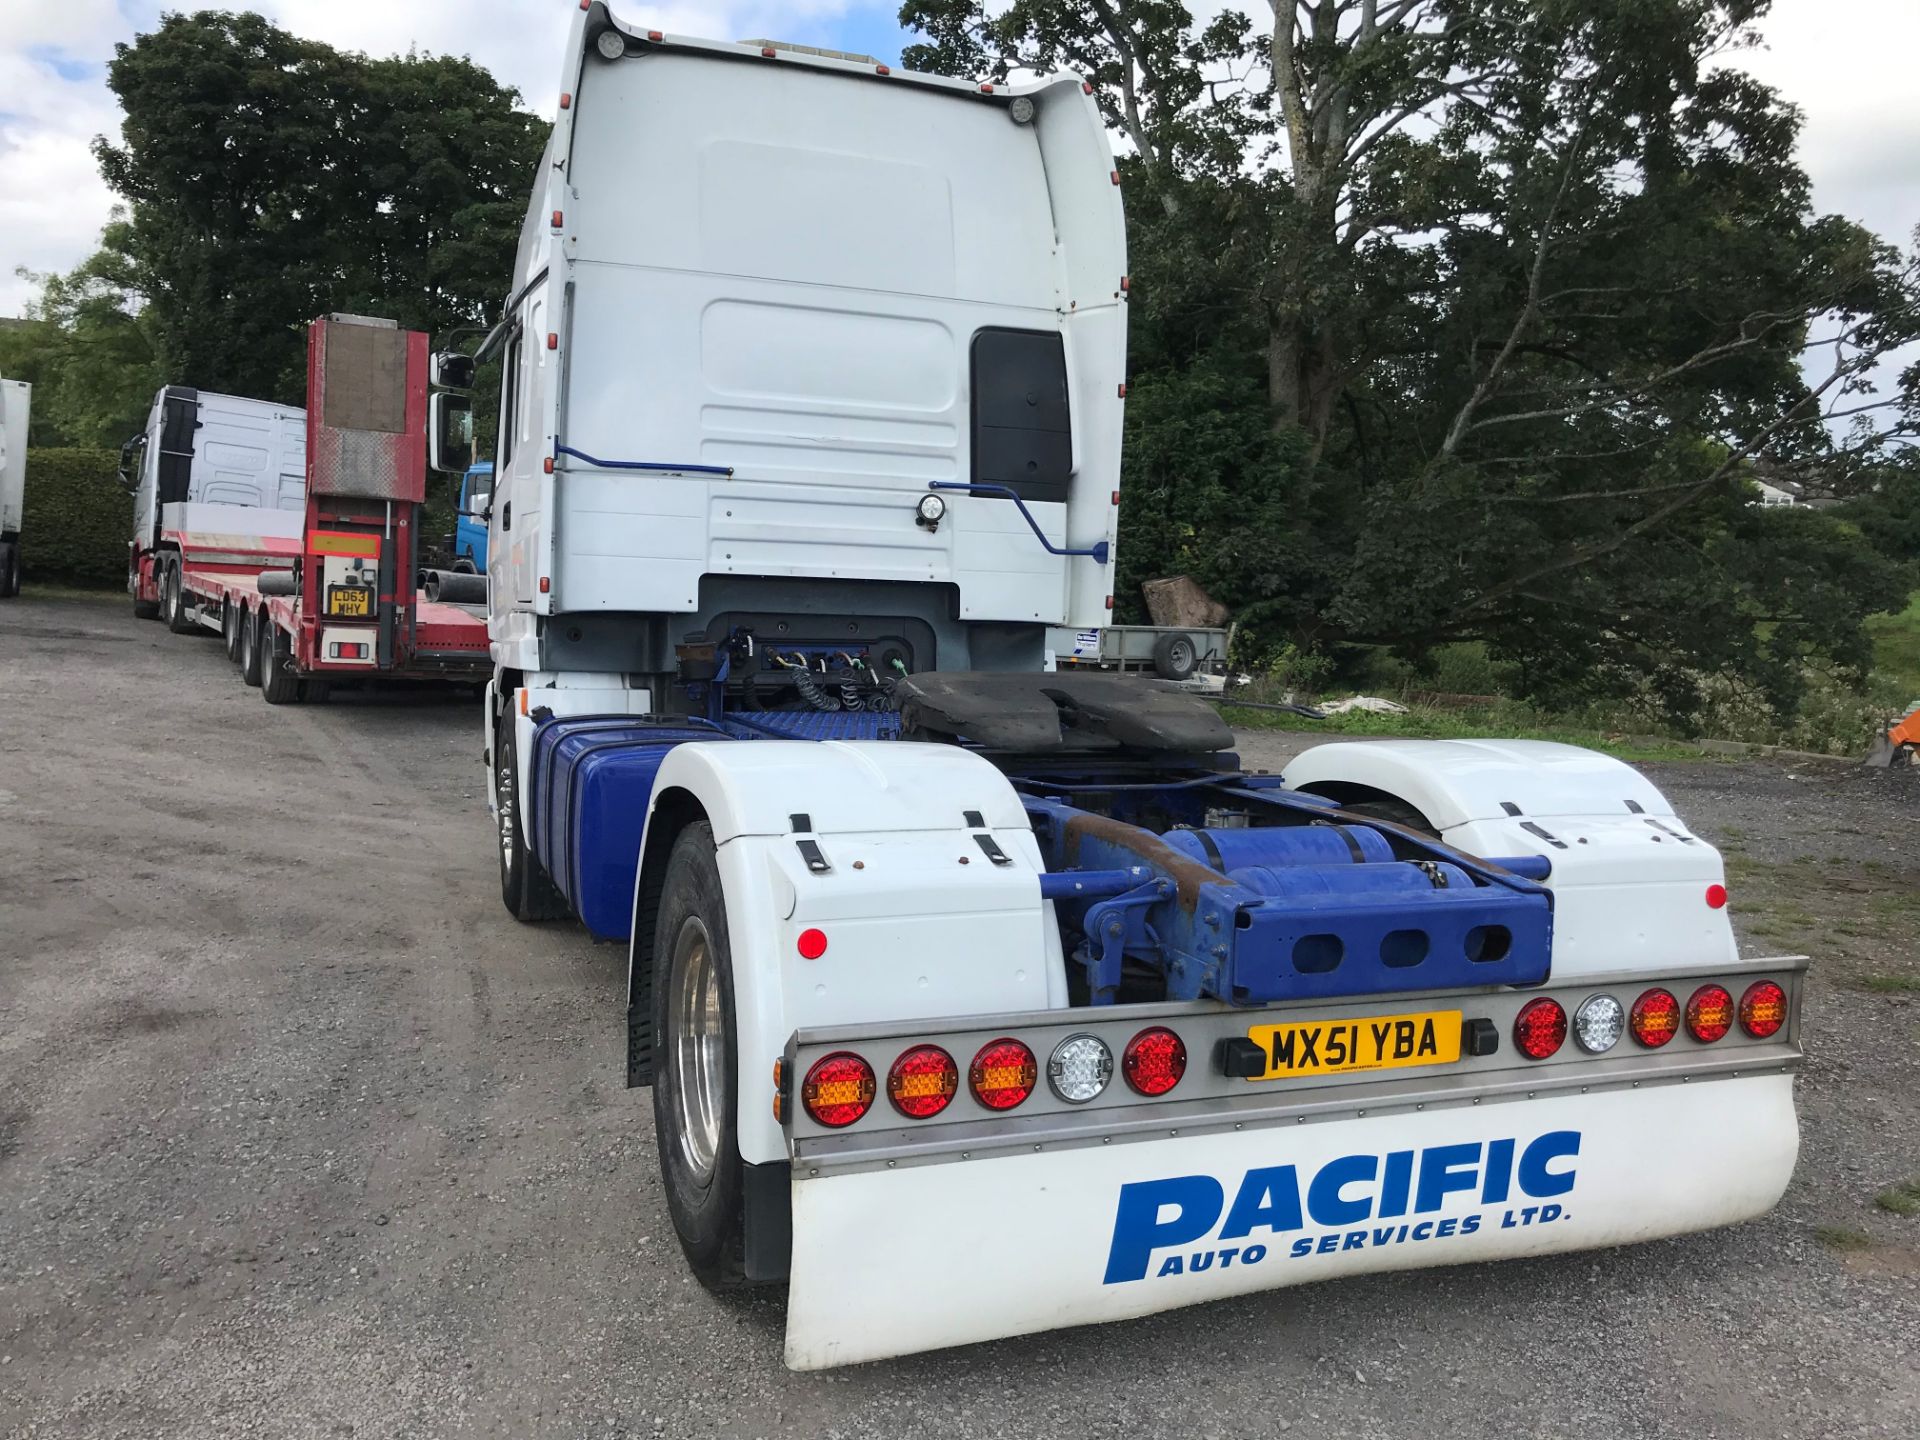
(77, 519)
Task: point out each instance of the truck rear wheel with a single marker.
(250, 626)
(230, 621)
(9, 570)
(278, 682)
(697, 1058)
(524, 885)
(174, 600)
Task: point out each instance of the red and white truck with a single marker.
(295, 534)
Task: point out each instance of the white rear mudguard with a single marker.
(892, 1261)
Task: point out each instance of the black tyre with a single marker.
(1175, 657)
(1394, 812)
(696, 1057)
(250, 667)
(9, 570)
(525, 888)
(174, 603)
(230, 622)
(279, 683)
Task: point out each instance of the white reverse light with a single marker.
(1599, 1023)
(930, 511)
(611, 44)
(1079, 1068)
(1021, 110)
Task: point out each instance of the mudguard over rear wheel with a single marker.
(525, 888)
(696, 1060)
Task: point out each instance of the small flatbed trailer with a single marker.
(1193, 655)
(291, 533)
(977, 1000)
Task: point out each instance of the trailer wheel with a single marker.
(178, 620)
(9, 570)
(525, 887)
(230, 621)
(250, 623)
(1175, 657)
(696, 1054)
(279, 685)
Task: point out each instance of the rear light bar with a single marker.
(922, 1077)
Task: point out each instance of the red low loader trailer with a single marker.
(332, 601)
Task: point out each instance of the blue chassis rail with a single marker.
(1290, 898)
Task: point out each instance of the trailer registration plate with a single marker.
(1372, 1042)
(349, 602)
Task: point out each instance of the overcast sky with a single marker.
(1848, 64)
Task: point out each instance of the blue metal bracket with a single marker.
(1098, 552)
(653, 465)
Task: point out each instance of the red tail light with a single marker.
(1709, 1013)
(1002, 1074)
(1154, 1061)
(1716, 897)
(1763, 1009)
(922, 1081)
(1654, 1018)
(1540, 1028)
(838, 1089)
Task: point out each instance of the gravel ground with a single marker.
(301, 1135)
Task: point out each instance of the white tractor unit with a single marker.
(16, 401)
(978, 1000)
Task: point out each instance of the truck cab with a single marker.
(469, 548)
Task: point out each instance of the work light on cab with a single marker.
(838, 1089)
(1154, 1061)
(922, 1081)
(1655, 1018)
(1540, 1029)
(1763, 1009)
(1002, 1074)
(1709, 1013)
(1079, 1068)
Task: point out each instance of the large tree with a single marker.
(1463, 319)
(271, 179)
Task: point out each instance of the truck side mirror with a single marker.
(450, 432)
(130, 463)
(455, 372)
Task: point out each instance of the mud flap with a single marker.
(890, 1261)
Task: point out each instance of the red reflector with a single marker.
(1540, 1028)
(1116, 177)
(1716, 897)
(655, 36)
(1123, 389)
(547, 465)
(1763, 1009)
(812, 944)
(838, 1089)
(881, 70)
(1116, 497)
(1126, 283)
(566, 100)
(553, 341)
(922, 1081)
(1002, 1074)
(769, 52)
(1654, 1018)
(546, 584)
(1086, 87)
(1709, 1013)
(986, 89)
(1109, 602)
(559, 219)
(1154, 1061)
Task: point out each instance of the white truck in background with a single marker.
(16, 399)
(977, 1000)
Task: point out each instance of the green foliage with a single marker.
(272, 179)
(77, 518)
(1459, 320)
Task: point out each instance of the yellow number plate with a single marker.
(1377, 1042)
(349, 602)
